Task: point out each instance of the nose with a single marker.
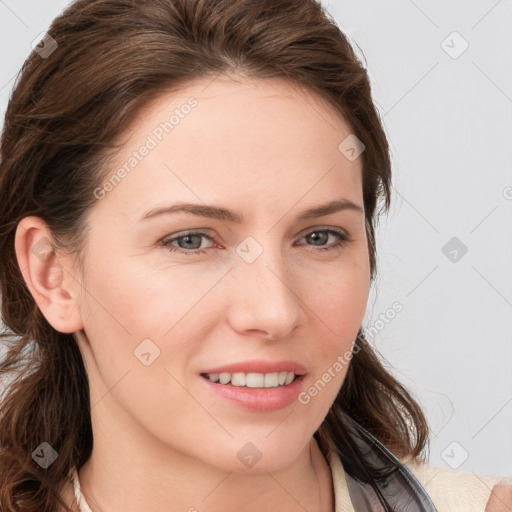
(265, 299)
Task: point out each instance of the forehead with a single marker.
(234, 109)
(242, 138)
(232, 90)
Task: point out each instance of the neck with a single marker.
(110, 485)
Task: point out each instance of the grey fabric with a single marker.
(380, 482)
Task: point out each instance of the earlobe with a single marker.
(44, 272)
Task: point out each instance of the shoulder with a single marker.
(453, 490)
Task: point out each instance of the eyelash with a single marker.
(339, 244)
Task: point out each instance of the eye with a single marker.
(188, 239)
(193, 238)
(341, 238)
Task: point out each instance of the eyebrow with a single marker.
(223, 214)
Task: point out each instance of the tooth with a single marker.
(271, 380)
(289, 378)
(254, 380)
(238, 379)
(224, 377)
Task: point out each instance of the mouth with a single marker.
(263, 387)
(252, 380)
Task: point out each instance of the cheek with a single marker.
(339, 300)
(338, 311)
(133, 316)
(131, 359)
(124, 297)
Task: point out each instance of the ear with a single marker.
(47, 275)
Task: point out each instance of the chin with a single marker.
(268, 452)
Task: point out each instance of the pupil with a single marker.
(188, 237)
(315, 235)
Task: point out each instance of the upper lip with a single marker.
(259, 366)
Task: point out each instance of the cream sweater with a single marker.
(450, 490)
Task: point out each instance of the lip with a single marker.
(257, 399)
(259, 366)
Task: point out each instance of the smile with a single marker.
(252, 380)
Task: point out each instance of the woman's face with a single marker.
(162, 304)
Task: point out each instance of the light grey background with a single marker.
(449, 123)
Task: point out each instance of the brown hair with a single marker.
(65, 114)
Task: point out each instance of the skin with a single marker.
(162, 440)
(500, 499)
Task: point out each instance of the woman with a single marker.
(232, 373)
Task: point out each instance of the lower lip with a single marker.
(259, 399)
